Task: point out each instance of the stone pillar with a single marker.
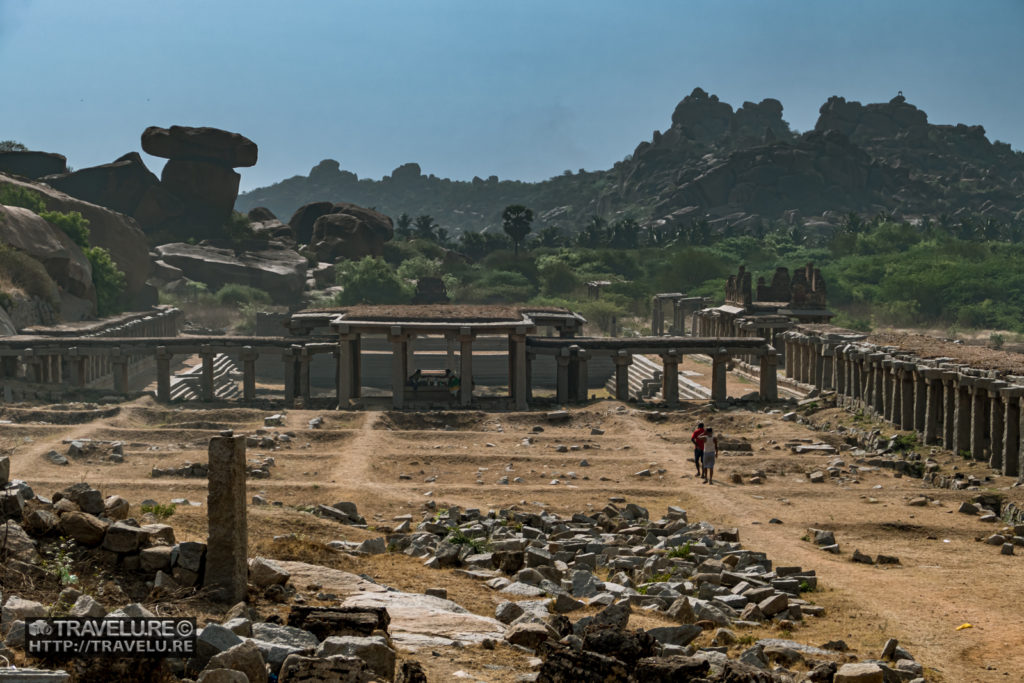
(962, 435)
(399, 365)
(206, 379)
(920, 399)
(818, 364)
(949, 415)
(348, 368)
(934, 405)
(827, 368)
(290, 383)
(889, 396)
(996, 416)
(562, 378)
(582, 376)
(670, 377)
(227, 543)
(410, 353)
(120, 361)
(979, 421)
(906, 380)
(719, 390)
(623, 359)
(78, 363)
(1011, 430)
(450, 346)
(530, 357)
(769, 388)
(840, 361)
(519, 379)
(163, 374)
(305, 387)
(465, 366)
(656, 317)
(782, 353)
(248, 356)
(879, 386)
(789, 349)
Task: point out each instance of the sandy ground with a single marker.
(946, 577)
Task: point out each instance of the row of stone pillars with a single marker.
(75, 366)
(967, 411)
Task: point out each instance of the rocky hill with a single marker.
(741, 167)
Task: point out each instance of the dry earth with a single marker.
(946, 577)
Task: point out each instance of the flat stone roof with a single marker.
(439, 313)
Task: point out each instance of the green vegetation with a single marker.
(370, 281)
(107, 278)
(457, 536)
(681, 551)
(58, 562)
(13, 195)
(72, 223)
(233, 294)
(905, 442)
(160, 511)
(515, 221)
(12, 146)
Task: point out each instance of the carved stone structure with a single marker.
(779, 306)
(31, 365)
(969, 411)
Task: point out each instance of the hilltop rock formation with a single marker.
(736, 168)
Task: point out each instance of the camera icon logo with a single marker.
(40, 628)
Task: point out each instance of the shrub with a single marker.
(369, 281)
(107, 278)
(13, 195)
(234, 294)
(72, 223)
(160, 511)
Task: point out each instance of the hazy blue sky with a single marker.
(519, 88)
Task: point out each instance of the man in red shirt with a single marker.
(698, 446)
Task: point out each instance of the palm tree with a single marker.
(516, 220)
(403, 223)
(425, 225)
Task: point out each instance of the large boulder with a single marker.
(119, 185)
(60, 256)
(280, 272)
(200, 144)
(350, 232)
(32, 164)
(113, 231)
(303, 219)
(207, 190)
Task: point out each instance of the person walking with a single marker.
(709, 450)
(698, 447)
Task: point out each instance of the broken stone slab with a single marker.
(417, 620)
(820, 448)
(373, 650)
(264, 572)
(862, 672)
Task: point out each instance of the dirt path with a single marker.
(387, 463)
